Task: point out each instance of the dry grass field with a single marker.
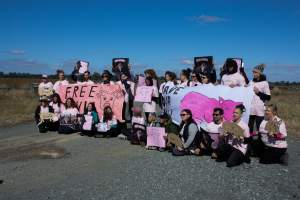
(18, 102)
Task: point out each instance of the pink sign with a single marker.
(155, 137)
(101, 95)
(143, 94)
(202, 106)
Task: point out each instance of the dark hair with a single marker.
(73, 103)
(93, 107)
(107, 116)
(87, 72)
(60, 71)
(58, 99)
(220, 110)
(197, 75)
(243, 73)
(150, 81)
(190, 120)
(172, 75)
(106, 72)
(229, 63)
(186, 72)
(241, 107)
(151, 72)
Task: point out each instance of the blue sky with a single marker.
(41, 36)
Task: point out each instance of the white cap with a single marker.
(44, 76)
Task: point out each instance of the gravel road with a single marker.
(53, 166)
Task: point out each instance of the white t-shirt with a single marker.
(138, 120)
(70, 111)
(271, 141)
(151, 107)
(57, 110)
(242, 147)
(57, 84)
(195, 83)
(88, 82)
(257, 105)
(236, 79)
(161, 87)
(44, 109)
(45, 87)
(184, 84)
(213, 130)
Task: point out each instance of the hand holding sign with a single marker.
(155, 137)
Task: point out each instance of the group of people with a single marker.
(264, 136)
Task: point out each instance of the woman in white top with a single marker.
(127, 87)
(108, 124)
(45, 87)
(231, 75)
(170, 78)
(70, 108)
(61, 81)
(58, 108)
(273, 135)
(234, 150)
(151, 107)
(184, 78)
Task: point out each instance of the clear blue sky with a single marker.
(41, 36)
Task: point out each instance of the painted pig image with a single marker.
(202, 106)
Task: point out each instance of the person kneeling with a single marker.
(233, 146)
(273, 135)
(90, 120)
(108, 125)
(44, 115)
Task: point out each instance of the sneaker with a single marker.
(161, 149)
(122, 136)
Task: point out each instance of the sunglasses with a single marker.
(183, 114)
(216, 114)
(193, 76)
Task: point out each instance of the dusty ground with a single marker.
(52, 166)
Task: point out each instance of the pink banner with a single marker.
(202, 106)
(143, 94)
(155, 137)
(101, 95)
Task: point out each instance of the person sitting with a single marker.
(231, 76)
(189, 136)
(138, 132)
(61, 81)
(45, 87)
(90, 120)
(170, 128)
(108, 125)
(69, 122)
(210, 134)
(273, 135)
(44, 116)
(233, 149)
(58, 108)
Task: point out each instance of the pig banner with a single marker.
(101, 95)
(202, 99)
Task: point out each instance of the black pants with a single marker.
(272, 155)
(254, 119)
(112, 132)
(46, 126)
(232, 156)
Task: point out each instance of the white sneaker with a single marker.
(122, 136)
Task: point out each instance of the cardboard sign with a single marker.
(143, 94)
(155, 137)
(101, 95)
(87, 125)
(84, 67)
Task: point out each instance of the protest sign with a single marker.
(101, 95)
(202, 99)
(143, 94)
(155, 137)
